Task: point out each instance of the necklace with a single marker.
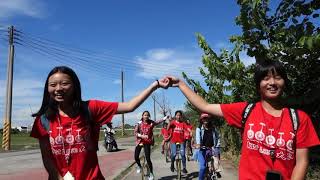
(270, 139)
(69, 140)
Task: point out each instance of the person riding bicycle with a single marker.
(109, 136)
(208, 140)
(165, 135)
(188, 136)
(177, 127)
(144, 138)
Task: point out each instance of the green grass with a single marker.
(21, 141)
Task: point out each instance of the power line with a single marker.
(128, 62)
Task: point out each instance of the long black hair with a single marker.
(49, 106)
(143, 114)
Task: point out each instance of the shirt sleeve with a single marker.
(306, 134)
(38, 130)
(232, 113)
(102, 111)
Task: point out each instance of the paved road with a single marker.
(28, 164)
(162, 169)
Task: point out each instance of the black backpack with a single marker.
(250, 106)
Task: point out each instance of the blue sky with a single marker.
(145, 39)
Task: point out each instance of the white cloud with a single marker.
(117, 81)
(32, 8)
(27, 96)
(159, 62)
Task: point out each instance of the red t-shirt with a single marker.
(145, 128)
(187, 133)
(178, 130)
(72, 136)
(165, 133)
(263, 132)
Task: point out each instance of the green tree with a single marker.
(290, 34)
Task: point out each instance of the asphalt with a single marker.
(162, 169)
(28, 164)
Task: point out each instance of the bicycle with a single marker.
(210, 172)
(178, 160)
(145, 171)
(188, 150)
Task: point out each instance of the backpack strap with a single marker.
(246, 113)
(93, 128)
(45, 122)
(295, 119)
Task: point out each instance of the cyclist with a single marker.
(177, 127)
(165, 135)
(188, 136)
(144, 138)
(207, 137)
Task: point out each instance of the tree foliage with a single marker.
(290, 34)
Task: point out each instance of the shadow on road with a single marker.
(187, 176)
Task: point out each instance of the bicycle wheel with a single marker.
(166, 154)
(178, 169)
(142, 168)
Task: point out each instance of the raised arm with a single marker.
(160, 120)
(134, 103)
(195, 99)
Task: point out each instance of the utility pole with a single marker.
(122, 98)
(8, 109)
(154, 107)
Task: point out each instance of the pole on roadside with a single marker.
(6, 139)
(122, 99)
(154, 107)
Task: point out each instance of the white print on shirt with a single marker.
(70, 139)
(178, 129)
(258, 141)
(270, 139)
(67, 151)
(260, 135)
(290, 142)
(250, 132)
(59, 139)
(280, 141)
(78, 136)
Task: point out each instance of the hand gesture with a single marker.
(164, 82)
(173, 81)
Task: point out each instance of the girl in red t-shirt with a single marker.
(144, 134)
(270, 146)
(178, 127)
(68, 128)
(166, 137)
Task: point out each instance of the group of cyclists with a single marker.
(178, 131)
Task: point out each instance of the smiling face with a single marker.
(145, 116)
(60, 87)
(271, 86)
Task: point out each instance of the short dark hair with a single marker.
(179, 111)
(264, 67)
